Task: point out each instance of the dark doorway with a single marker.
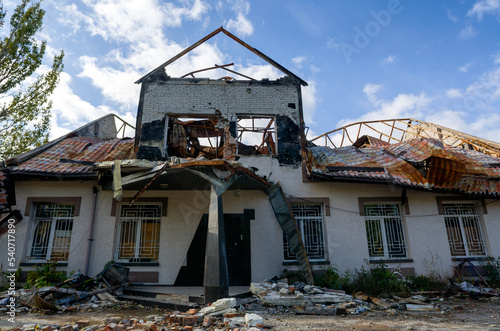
(237, 234)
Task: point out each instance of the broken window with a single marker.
(52, 227)
(256, 135)
(464, 230)
(384, 231)
(139, 233)
(189, 137)
(309, 219)
(220, 138)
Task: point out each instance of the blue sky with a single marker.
(437, 61)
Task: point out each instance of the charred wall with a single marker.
(225, 102)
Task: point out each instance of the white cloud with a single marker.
(309, 102)
(241, 26)
(370, 90)
(473, 109)
(389, 60)
(401, 106)
(453, 93)
(451, 17)
(482, 7)
(70, 110)
(299, 60)
(465, 67)
(467, 32)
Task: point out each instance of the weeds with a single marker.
(493, 272)
(427, 283)
(373, 281)
(331, 278)
(46, 275)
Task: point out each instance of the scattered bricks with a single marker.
(230, 315)
(70, 309)
(190, 320)
(83, 323)
(146, 326)
(120, 327)
(192, 311)
(188, 328)
(112, 319)
(284, 291)
(47, 328)
(347, 305)
(207, 321)
(291, 289)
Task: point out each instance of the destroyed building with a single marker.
(220, 187)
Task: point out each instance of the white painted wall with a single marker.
(345, 228)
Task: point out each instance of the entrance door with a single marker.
(237, 230)
(237, 234)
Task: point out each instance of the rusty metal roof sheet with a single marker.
(423, 163)
(76, 156)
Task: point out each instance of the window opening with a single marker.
(384, 231)
(310, 222)
(256, 135)
(51, 238)
(139, 233)
(464, 230)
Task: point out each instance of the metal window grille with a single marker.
(310, 221)
(139, 233)
(51, 237)
(464, 230)
(384, 231)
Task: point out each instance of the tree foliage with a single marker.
(24, 88)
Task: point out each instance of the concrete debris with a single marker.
(175, 320)
(414, 307)
(219, 307)
(282, 294)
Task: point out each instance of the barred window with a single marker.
(309, 219)
(139, 233)
(384, 231)
(52, 228)
(464, 230)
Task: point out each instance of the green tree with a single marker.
(24, 91)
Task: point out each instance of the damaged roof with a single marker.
(76, 157)
(233, 37)
(75, 153)
(422, 163)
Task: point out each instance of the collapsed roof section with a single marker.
(220, 118)
(419, 163)
(384, 132)
(236, 39)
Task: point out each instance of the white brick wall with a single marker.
(195, 97)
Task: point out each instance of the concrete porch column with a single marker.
(216, 279)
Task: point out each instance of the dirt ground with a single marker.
(453, 314)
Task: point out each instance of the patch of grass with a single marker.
(427, 283)
(45, 275)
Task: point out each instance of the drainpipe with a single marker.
(91, 231)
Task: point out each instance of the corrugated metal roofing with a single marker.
(421, 163)
(63, 158)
